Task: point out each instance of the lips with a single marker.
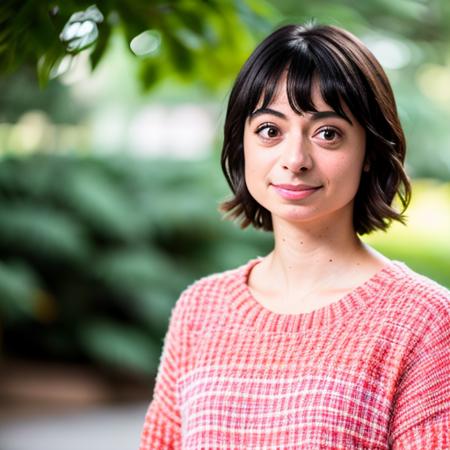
(295, 187)
(295, 191)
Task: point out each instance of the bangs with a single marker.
(303, 68)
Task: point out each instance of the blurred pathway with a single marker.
(113, 428)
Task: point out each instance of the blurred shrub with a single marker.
(96, 251)
(423, 244)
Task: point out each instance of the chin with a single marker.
(302, 214)
(295, 214)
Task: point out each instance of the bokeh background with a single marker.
(110, 134)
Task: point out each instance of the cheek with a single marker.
(254, 177)
(255, 162)
(345, 172)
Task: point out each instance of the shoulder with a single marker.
(418, 297)
(204, 298)
(421, 288)
(214, 284)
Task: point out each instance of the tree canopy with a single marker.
(206, 39)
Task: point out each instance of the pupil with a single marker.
(272, 132)
(329, 134)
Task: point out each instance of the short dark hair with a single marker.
(348, 73)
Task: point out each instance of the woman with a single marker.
(323, 343)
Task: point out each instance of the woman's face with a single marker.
(303, 168)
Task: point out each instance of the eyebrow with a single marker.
(315, 115)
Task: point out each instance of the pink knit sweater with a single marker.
(370, 371)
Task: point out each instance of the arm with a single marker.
(421, 415)
(162, 427)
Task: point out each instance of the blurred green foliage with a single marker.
(414, 20)
(424, 242)
(205, 39)
(20, 93)
(96, 251)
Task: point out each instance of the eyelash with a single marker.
(334, 130)
(267, 126)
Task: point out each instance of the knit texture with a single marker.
(370, 371)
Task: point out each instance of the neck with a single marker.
(307, 255)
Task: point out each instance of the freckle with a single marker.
(330, 260)
(301, 242)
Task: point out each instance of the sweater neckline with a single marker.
(254, 315)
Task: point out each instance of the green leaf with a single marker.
(128, 269)
(42, 232)
(18, 289)
(100, 202)
(47, 62)
(120, 346)
(101, 45)
(152, 306)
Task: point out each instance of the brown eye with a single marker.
(272, 132)
(329, 134)
(268, 132)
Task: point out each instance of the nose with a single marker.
(296, 155)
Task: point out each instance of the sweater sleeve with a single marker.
(421, 415)
(162, 426)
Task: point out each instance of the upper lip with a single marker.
(295, 187)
